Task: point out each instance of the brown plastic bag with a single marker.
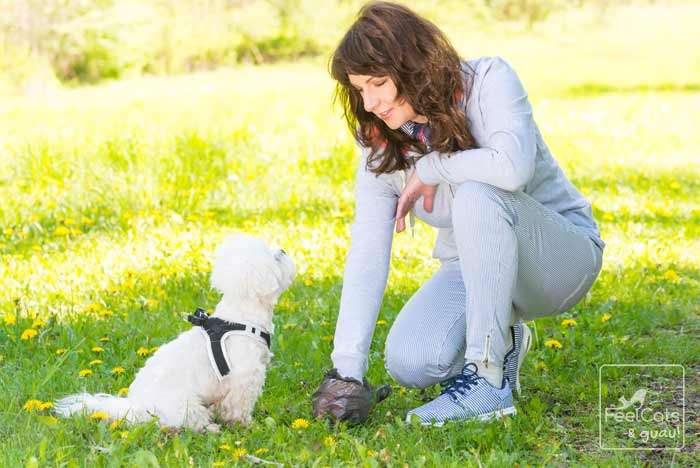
(346, 399)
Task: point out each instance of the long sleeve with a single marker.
(506, 137)
(366, 271)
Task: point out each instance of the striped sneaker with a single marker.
(514, 358)
(469, 397)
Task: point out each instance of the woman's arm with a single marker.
(366, 271)
(506, 154)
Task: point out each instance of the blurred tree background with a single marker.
(86, 41)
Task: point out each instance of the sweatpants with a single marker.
(517, 260)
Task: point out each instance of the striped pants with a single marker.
(517, 259)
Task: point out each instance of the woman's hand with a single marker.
(413, 190)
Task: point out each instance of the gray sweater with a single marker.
(511, 155)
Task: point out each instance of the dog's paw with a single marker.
(212, 428)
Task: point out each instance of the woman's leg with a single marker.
(518, 259)
(426, 341)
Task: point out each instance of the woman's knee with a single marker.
(413, 363)
(474, 199)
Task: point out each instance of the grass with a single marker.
(114, 196)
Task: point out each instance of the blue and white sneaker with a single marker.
(468, 397)
(515, 357)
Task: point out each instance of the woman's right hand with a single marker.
(346, 399)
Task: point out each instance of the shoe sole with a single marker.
(527, 342)
(498, 414)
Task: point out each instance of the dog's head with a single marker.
(245, 267)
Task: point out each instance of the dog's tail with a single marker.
(101, 404)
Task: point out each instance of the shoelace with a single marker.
(460, 383)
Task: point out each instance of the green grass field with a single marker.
(114, 196)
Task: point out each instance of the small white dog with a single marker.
(180, 384)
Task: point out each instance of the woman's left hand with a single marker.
(413, 190)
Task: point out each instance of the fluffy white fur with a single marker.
(177, 385)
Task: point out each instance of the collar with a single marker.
(217, 330)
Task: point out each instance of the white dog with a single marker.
(180, 384)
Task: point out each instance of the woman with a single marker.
(454, 143)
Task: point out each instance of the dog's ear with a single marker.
(245, 267)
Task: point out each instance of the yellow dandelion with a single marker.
(297, 364)
(61, 231)
(675, 185)
(122, 392)
(381, 322)
(104, 339)
(672, 276)
(327, 338)
(261, 451)
(87, 221)
(142, 351)
(308, 282)
(554, 344)
(218, 464)
(99, 416)
(118, 370)
(124, 434)
(239, 452)
(36, 248)
(329, 441)
(116, 424)
(85, 373)
(371, 453)
(69, 222)
(61, 351)
(28, 334)
(32, 405)
(151, 303)
(8, 231)
(38, 323)
(300, 423)
(95, 362)
(153, 349)
(10, 319)
(46, 405)
(97, 349)
(605, 317)
(568, 323)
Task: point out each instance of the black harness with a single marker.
(217, 331)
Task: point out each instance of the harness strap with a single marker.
(217, 330)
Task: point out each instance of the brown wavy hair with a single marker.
(388, 39)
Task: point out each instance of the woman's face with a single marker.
(379, 97)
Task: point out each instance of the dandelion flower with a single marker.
(371, 453)
(124, 434)
(142, 351)
(381, 322)
(124, 391)
(218, 464)
(60, 351)
(95, 362)
(568, 323)
(46, 405)
(85, 372)
(38, 323)
(119, 370)
(99, 416)
(97, 349)
(672, 276)
(32, 405)
(300, 423)
(226, 447)
(261, 451)
(36, 248)
(329, 441)
(239, 452)
(10, 319)
(28, 334)
(61, 231)
(116, 424)
(605, 317)
(104, 339)
(554, 344)
(153, 349)
(308, 282)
